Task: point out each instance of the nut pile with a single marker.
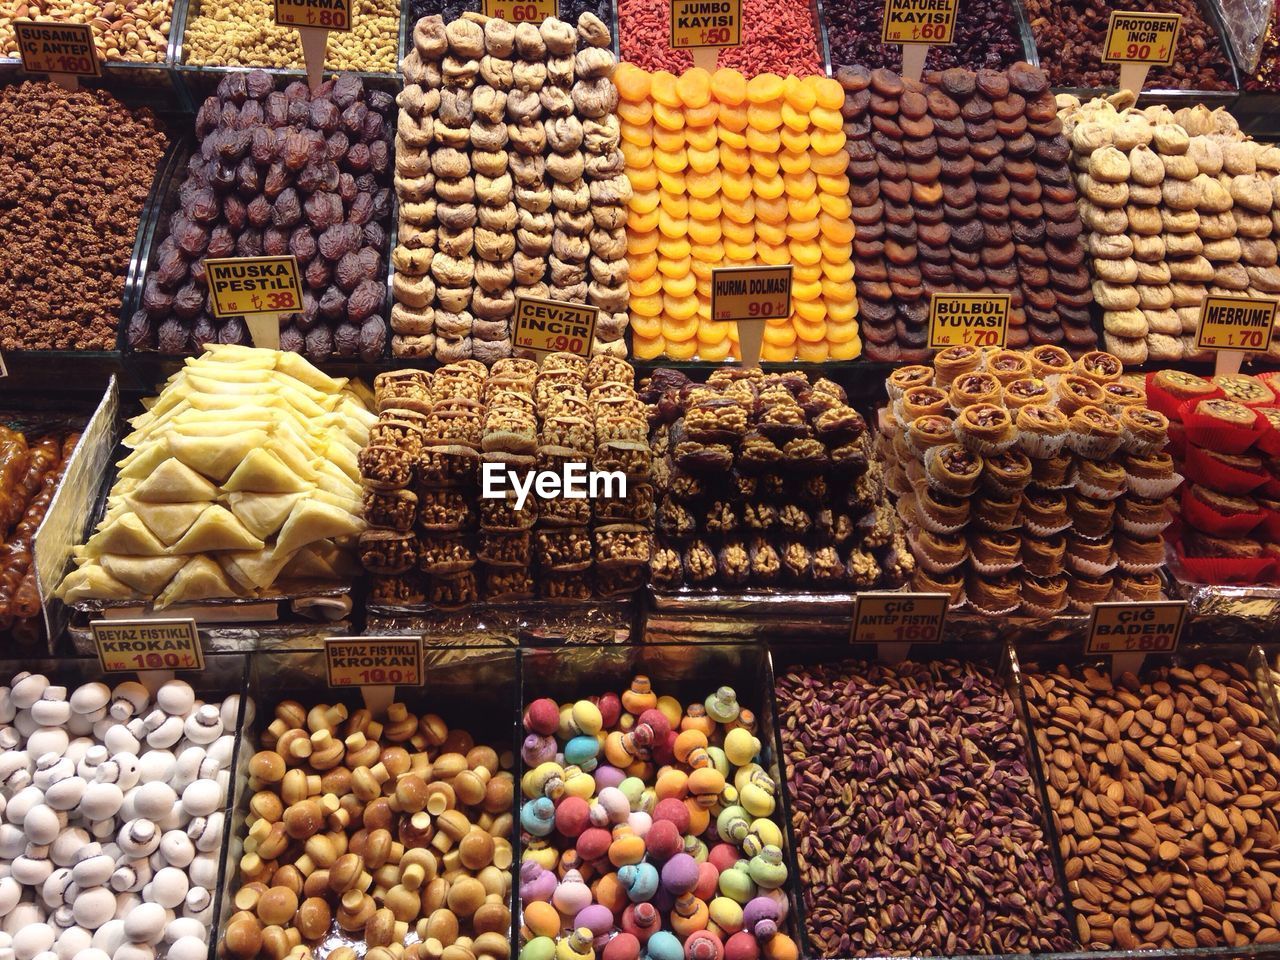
(278, 173)
(1162, 790)
(1176, 206)
(1069, 35)
(764, 480)
(437, 537)
(368, 831)
(223, 494)
(650, 827)
(910, 783)
(243, 33)
(29, 477)
(510, 181)
(80, 166)
(113, 818)
(136, 32)
(986, 36)
(728, 172)
(777, 36)
(1013, 468)
(961, 185)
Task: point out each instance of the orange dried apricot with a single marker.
(802, 186)
(646, 287)
(673, 204)
(643, 178)
(712, 253)
(673, 267)
(704, 231)
(811, 310)
(742, 211)
(800, 95)
(672, 161)
(735, 186)
(729, 86)
(805, 209)
(705, 209)
(812, 352)
(737, 232)
(672, 249)
(796, 141)
(703, 138)
(702, 270)
(845, 351)
(772, 234)
(732, 117)
(809, 331)
(805, 289)
(704, 116)
(822, 142)
(734, 160)
(767, 187)
(714, 331)
(827, 91)
(714, 352)
(730, 138)
(837, 188)
(638, 113)
(740, 252)
(763, 118)
(631, 81)
(775, 255)
(649, 305)
(835, 229)
(670, 182)
(669, 118)
(643, 222)
(680, 287)
(704, 161)
(779, 333)
(702, 185)
(804, 229)
(824, 119)
(636, 155)
(835, 252)
(794, 162)
(771, 353)
(645, 327)
(664, 139)
(830, 166)
(662, 87)
(693, 87)
(641, 266)
(805, 251)
(842, 311)
(681, 328)
(834, 292)
(841, 331)
(805, 272)
(680, 308)
(671, 227)
(638, 244)
(765, 162)
(794, 119)
(841, 272)
(648, 348)
(771, 209)
(704, 289)
(764, 87)
(682, 350)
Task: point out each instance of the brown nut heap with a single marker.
(78, 168)
(1163, 792)
(435, 538)
(361, 829)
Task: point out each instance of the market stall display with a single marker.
(129, 33)
(510, 183)
(961, 185)
(280, 172)
(937, 746)
(730, 171)
(241, 478)
(364, 831)
(443, 532)
(764, 480)
(80, 167)
(680, 871)
(1168, 773)
(1028, 481)
(243, 33)
(1069, 36)
(1176, 206)
(99, 812)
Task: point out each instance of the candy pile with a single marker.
(510, 182)
(1229, 451)
(765, 480)
(1013, 468)
(280, 173)
(448, 525)
(961, 185)
(112, 829)
(728, 171)
(365, 830)
(1176, 206)
(649, 828)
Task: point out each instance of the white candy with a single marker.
(93, 953)
(43, 824)
(93, 871)
(100, 800)
(145, 923)
(10, 894)
(167, 734)
(31, 940)
(71, 941)
(168, 887)
(90, 697)
(109, 936)
(134, 951)
(94, 907)
(119, 740)
(32, 870)
(204, 870)
(48, 740)
(27, 688)
(65, 794)
(177, 849)
(188, 948)
(51, 713)
(70, 847)
(201, 798)
(176, 697)
(128, 699)
(153, 800)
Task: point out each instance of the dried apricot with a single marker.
(669, 118)
(638, 113)
(684, 286)
(764, 87)
(632, 82)
(662, 87)
(648, 348)
(730, 86)
(693, 87)
(771, 234)
(733, 117)
(705, 209)
(645, 327)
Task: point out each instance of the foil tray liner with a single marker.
(529, 623)
(1225, 613)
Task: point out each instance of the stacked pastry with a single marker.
(510, 181)
(728, 172)
(1025, 479)
(1229, 451)
(448, 525)
(764, 480)
(241, 481)
(960, 185)
(1177, 206)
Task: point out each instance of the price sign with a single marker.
(899, 617)
(751, 293)
(1135, 627)
(327, 14)
(549, 326)
(919, 21)
(373, 661)
(65, 48)
(246, 285)
(1235, 323)
(125, 646)
(968, 319)
(520, 11)
(1149, 38)
(705, 23)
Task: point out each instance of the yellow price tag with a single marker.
(325, 14)
(968, 319)
(706, 23)
(57, 48)
(1149, 38)
(751, 293)
(1153, 627)
(245, 285)
(919, 21)
(550, 326)
(373, 661)
(899, 617)
(1236, 323)
(125, 646)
